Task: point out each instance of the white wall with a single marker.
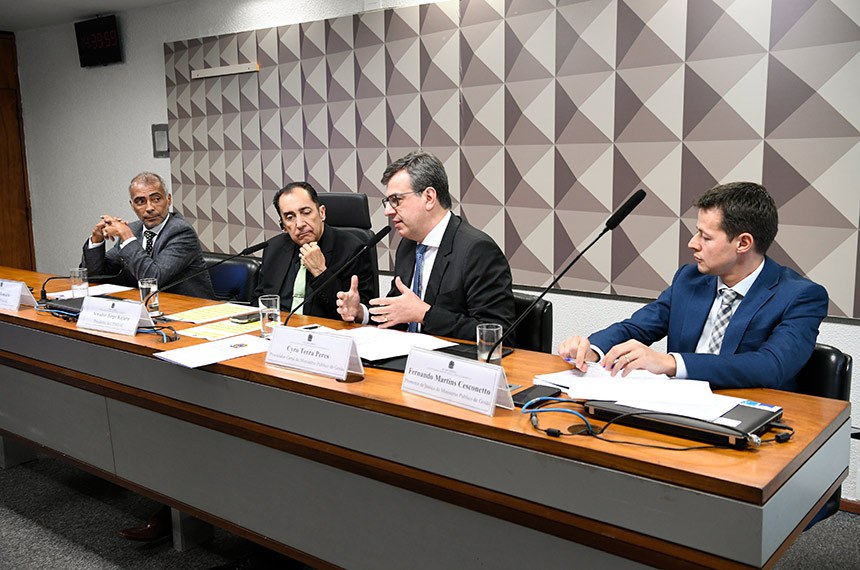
(87, 133)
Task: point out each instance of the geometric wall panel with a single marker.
(547, 115)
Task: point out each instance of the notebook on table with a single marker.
(733, 429)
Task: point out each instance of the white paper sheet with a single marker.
(598, 384)
(211, 313)
(708, 409)
(374, 343)
(103, 289)
(215, 351)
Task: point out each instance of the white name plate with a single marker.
(325, 353)
(13, 294)
(461, 382)
(113, 315)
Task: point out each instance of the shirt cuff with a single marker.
(600, 353)
(125, 242)
(94, 245)
(680, 366)
(365, 314)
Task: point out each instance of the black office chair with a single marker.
(535, 332)
(351, 212)
(827, 374)
(233, 280)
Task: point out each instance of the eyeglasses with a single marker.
(395, 199)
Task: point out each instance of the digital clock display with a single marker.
(98, 41)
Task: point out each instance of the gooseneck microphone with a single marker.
(370, 243)
(44, 296)
(247, 251)
(612, 223)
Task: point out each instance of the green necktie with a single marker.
(299, 288)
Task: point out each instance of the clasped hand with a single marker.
(110, 228)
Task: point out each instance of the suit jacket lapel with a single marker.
(700, 298)
(759, 294)
(404, 263)
(163, 235)
(440, 266)
(280, 262)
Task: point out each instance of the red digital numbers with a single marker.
(100, 40)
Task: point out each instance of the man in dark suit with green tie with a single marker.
(301, 259)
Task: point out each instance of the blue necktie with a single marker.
(420, 249)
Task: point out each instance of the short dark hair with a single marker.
(292, 186)
(425, 170)
(746, 207)
(148, 179)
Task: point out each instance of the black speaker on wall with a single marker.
(98, 41)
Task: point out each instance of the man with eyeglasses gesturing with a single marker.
(449, 276)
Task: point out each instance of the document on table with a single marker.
(642, 386)
(374, 343)
(211, 313)
(220, 329)
(705, 408)
(216, 351)
(103, 289)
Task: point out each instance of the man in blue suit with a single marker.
(736, 318)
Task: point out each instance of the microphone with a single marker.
(625, 209)
(44, 296)
(371, 243)
(611, 224)
(247, 251)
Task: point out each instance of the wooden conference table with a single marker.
(362, 475)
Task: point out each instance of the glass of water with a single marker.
(488, 335)
(80, 285)
(270, 314)
(148, 287)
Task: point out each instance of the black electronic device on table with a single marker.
(739, 427)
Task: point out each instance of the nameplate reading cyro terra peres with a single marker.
(325, 353)
(461, 382)
(113, 315)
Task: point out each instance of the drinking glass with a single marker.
(270, 314)
(78, 277)
(149, 286)
(488, 335)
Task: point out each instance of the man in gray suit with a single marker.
(159, 244)
(449, 276)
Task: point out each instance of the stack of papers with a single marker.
(220, 329)
(212, 313)
(642, 389)
(374, 343)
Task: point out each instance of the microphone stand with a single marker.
(247, 251)
(44, 295)
(373, 241)
(611, 224)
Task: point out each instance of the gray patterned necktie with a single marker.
(724, 315)
(150, 237)
(416, 281)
